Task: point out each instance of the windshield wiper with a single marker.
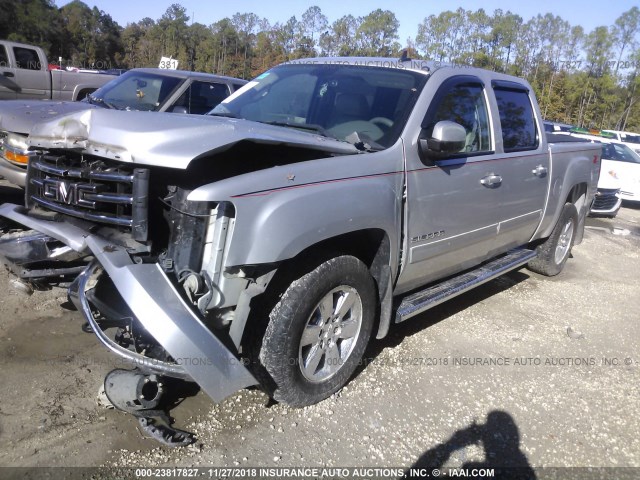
(223, 114)
(101, 101)
(93, 100)
(363, 143)
(303, 126)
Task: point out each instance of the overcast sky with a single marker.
(588, 13)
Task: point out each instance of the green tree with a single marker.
(625, 33)
(91, 38)
(476, 39)
(31, 21)
(505, 28)
(131, 38)
(245, 25)
(224, 41)
(598, 45)
(377, 34)
(173, 31)
(149, 48)
(314, 23)
(198, 55)
(340, 39)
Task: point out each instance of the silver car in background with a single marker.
(141, 89)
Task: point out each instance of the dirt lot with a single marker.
(523, 371)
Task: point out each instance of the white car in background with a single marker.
(607, 201)
(621, 162)
(630, 139)
(620, 170)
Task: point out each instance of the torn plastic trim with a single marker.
(158, 306)
(35, 256)
(67, 233)
(30, 246)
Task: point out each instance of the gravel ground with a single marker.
(525, 370)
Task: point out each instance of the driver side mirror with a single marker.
(445, 139)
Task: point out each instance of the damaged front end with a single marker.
(111, 213)
(153, 292)
(137, 312)
(156, 331)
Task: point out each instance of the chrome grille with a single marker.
(605, 199)
(91, 189)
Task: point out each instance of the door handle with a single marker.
(8, 74)
(491, 180)
(539, 171)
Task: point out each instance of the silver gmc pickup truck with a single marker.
(266, 243)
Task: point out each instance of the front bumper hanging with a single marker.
(149, 294)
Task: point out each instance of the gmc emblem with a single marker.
(70, 193)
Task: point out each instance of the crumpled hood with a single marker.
(166, 139)
(19, 116)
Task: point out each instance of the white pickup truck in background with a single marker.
(630, 139)
(25, 73)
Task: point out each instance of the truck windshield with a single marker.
(135, 91)
(347, 102)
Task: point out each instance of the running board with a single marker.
(418, 302)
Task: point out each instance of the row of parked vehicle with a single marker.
(620, 172)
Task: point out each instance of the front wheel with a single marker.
(318, 331)
(554, 252)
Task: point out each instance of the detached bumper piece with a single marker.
(140, 301)
(36, 257)
(144, 397)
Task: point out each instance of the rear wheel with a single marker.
(554, 252)
(318, 331)
(83, 94)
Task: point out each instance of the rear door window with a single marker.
(517, 119)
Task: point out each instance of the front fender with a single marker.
(280, 225)
(283, 210)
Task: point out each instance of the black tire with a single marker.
(554, 252)
(340, 281)
(83, 94)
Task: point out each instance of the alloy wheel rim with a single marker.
(564, 242)
(330, 334)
